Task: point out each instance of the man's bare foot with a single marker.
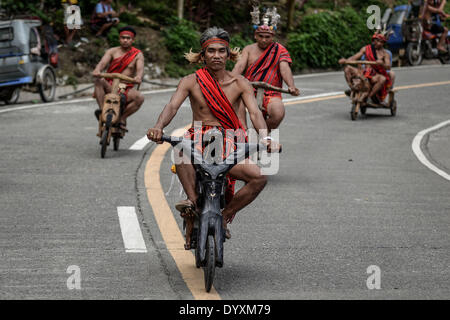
(186, 208)
(227, 231)
(442, 49)
(188, 213)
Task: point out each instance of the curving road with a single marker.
(348, 195)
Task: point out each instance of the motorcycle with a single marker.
(423, 45)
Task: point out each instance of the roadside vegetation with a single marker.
(317, 33)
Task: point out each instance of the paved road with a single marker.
(348, 195)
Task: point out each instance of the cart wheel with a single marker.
(47, 88)
(354, 111)
(394, 108)
(13, 96)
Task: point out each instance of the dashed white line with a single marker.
(140, 144)
(320, 95)
(131, 231)
(421, 156)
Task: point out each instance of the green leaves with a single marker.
(325, 37)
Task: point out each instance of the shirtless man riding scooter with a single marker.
(128, 61)
(213, 93)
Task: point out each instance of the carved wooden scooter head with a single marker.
(111, 104)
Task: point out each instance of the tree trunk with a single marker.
(291, 10)
(180, 7)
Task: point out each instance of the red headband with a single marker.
(127, 33)
(379, 37)
(214, 40)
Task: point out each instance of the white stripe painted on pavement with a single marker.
(320, 95)
(140, 144)
(421, 156)
(131, 232)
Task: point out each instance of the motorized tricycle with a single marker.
(113, 106)
(23, 63)
(359, 91)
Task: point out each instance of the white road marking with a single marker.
(421, 156)
(140, 144)
(320, 95)
(131, 231)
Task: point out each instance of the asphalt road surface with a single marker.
(350, 197)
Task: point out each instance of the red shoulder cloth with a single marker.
(267, 67)
(119, 64)
(217, 101)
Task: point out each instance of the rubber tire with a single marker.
(363, 110)
(210, 266)
(445, 59)
(353, 114)
(409, 52)
(48, 74)
(116, 142)
(104, 142)
(13, 96)
(394, 108)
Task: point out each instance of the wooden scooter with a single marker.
(260, 87)
(361, 88)
(112, 109)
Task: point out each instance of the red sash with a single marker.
(222, 109)
(217, 101)
(267, 67)
(374, 69)
(119, 64)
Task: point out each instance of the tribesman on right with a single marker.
(267, 61)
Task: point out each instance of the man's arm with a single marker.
(358, 55)
(241, 65)
(171, 109)
(139, 68)
(104, 62)
(429, 7)
(286, 74)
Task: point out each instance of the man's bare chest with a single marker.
(231, 93)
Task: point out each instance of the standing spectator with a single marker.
(104, 17)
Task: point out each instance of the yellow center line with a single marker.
(168, 226)
(165, 219)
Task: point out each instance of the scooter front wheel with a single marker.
(104, 142)
(210, 265)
